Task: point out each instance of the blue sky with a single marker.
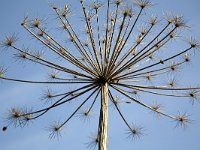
(159, 133)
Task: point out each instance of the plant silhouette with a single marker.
(118, 55)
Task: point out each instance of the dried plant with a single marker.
(118, 54)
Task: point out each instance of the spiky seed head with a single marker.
(53, 74)
(143, 3)
(128, 11)
(153, 20)
(55, 130)
(40, 33)
(21, 56)
(35, 23)
(194, 43)
(39, 54)
(24, 22)
(178, 21)
(182, 119)
(134, 132)
(96, 5)
(2, 71)
(118, 2)
(94, 140)
(156, 108)
(86, 114)
(9, 41)
(194, 95)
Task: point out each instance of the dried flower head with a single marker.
(48, 95)
(94, 140)
(117, 2)
(143, 3)
(194, 43)
(2, 71)
(36, 23)
(194, 95)
(135, 132)
(9, 41)
(182, 120)
(21, 56)
(55, 130)
(156, 108)
(54, 74)
(128, 11)
(15, 117)
(85, 114)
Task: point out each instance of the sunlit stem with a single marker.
(103, 118)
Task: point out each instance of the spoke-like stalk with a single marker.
(91, 35)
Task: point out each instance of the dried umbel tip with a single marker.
(65, 12)
(156, 108)
(136, 93)
(153, 20)
(178, 21)
(94, 140)
(2, 71)
(35, 23)
(148, 77)
(194, 43)
(182, 119)
(117, 2)
(24, 22)
(173, 67)
(85, 115)
(53, 74)
(14, 117)
(134, 132)
(127, 11)
(142, 30)
(9, 41)
(116, 101)
(194, 95)
(143, 3)
(48, 95)
(39, 54)
(172, 82)
(21, 56)
(55, 130)
(96, 5)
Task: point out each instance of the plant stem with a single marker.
(103, 118)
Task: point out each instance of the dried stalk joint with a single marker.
(101, 81)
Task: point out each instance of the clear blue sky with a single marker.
(159, 133)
